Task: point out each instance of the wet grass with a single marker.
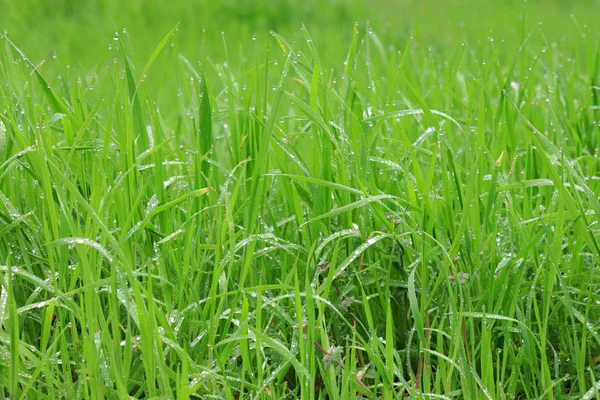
(415, 218)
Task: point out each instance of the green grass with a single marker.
(375, 211)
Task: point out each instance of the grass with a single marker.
(285, 218)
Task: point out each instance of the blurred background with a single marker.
(81, 33)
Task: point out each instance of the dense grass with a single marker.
(280, 217)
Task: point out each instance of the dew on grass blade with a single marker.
(72, 241)
(357, 252)
(2, 136)
(151, 205)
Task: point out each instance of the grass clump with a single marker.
(411, 221)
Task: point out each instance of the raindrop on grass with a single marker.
(2, 135)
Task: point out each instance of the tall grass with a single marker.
(411, 222)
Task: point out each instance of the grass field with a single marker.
(299, 200)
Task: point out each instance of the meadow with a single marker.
(299, 200)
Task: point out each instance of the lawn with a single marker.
(330, 199)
